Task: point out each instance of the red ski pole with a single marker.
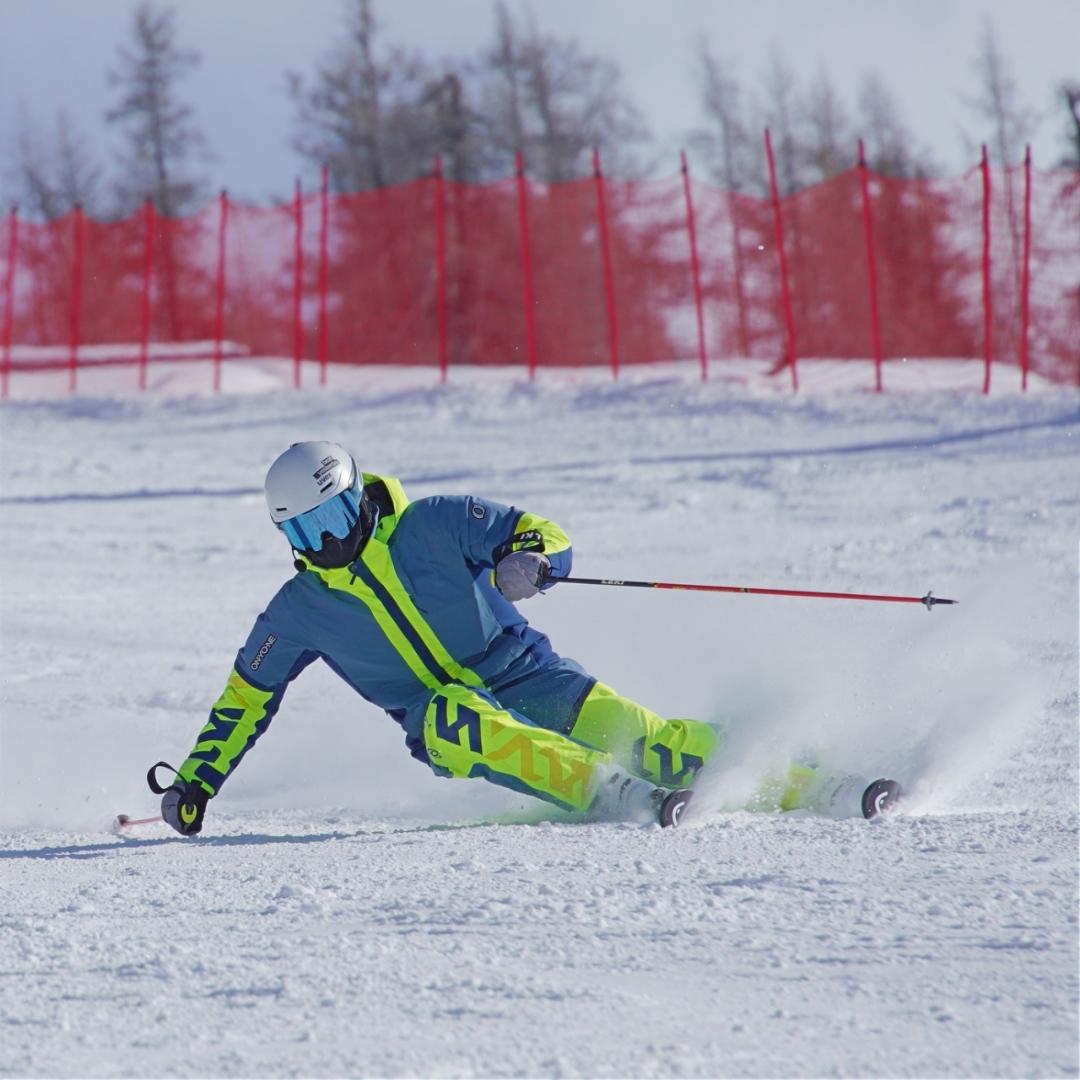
(123, 821)
(928, 601)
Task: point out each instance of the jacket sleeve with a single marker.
(264, 667)
(488, 530)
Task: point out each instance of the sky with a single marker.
(54, 54)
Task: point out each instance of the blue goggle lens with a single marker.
(338, 517)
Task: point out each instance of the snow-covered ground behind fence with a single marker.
(344, 913)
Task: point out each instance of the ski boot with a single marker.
(673, 805)
(833, 794)
(852, 796)
(622, 797)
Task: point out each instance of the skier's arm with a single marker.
(527, 548)
(489, 531)
(555, 544)
(264, 667)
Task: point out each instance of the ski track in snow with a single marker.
(346, 913)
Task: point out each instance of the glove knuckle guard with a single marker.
(183, 808)
(520, 574)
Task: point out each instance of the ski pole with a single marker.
(123, 821)
(929, 600)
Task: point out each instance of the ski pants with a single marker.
(555, 733)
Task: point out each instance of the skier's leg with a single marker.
(667, 752)
(796, 789)
(561, 696)
(466, 734)
(808, 786)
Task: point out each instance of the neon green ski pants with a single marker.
(468, 734)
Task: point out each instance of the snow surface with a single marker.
(347, 913)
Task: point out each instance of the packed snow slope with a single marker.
(347, 913)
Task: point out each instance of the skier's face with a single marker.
(330, 535)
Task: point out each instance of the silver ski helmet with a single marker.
(315, 494)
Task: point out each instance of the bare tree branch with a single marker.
(367, 113)
(162, 139)
(891, 149)
(1070, 94)
(553, 101)
(53, 170)
(998, 104)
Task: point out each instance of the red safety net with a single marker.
(588, 272)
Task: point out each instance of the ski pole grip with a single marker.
(151, 777)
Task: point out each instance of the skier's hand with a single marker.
(521, 574)
(183, 806)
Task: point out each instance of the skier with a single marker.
(412, 604)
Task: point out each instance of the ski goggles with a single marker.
(338, 517)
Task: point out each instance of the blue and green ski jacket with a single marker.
(417, 610)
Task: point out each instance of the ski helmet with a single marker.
(316, 498)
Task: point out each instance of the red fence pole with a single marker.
(609, 276)
(9, 298)
(695, 268)
(76, 297)
(785, 292)
(324, 275)
(988, 304)
(1025, 275)
(737, 265)
(148, 277)
(219, 312)
(298, 285)
(871, 266)
(440, 265)
(526, 262)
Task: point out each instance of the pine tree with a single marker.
(780, 115)
(732, 155)
(54, 170)
(1070, 95)
(162, 141)
(1010, 124)
(734, 159)
(829, 144)
(891, 149)
(555, 102)
(367, 112)
(452, 129)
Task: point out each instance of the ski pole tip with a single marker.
(930, 600)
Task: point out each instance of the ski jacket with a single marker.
(417, 610)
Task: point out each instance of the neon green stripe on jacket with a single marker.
(555, 540)
(237, 719)
(374, 581)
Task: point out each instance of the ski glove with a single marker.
(521, 574)
(183, 802)
(183, 806)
